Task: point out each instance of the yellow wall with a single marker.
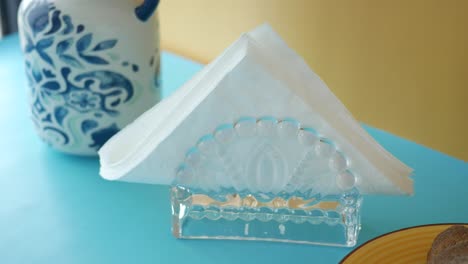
(399, 65)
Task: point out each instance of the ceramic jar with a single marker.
(92, 67)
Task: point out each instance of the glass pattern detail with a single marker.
(266, 179)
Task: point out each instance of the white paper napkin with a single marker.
(258, 75)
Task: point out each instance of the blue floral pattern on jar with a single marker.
(78, 88)
(83, 101)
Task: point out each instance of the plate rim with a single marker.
(395, 231)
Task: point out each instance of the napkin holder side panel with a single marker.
(266, 179)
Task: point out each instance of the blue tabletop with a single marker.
(55, 208)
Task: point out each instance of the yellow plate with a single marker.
(409, 245)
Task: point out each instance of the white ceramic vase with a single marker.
(92, 67)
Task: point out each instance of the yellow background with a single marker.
(401, 66)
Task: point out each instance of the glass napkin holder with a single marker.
(266, 179)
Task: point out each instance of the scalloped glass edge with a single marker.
(329, 221)
(207, 206)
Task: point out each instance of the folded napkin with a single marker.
(257, 76)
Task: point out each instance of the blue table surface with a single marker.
(55, 208)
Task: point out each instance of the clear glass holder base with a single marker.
(332, 220)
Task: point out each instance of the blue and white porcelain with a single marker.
(92, 67)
